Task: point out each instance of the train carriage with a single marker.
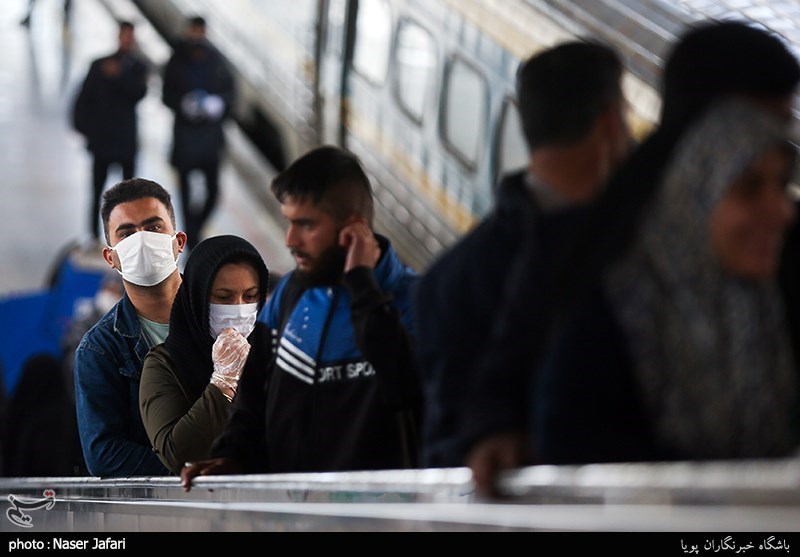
(421, 90)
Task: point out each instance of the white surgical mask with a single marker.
(146, 258)
(104, 300)
(241, 317)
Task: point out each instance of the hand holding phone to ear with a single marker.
(362, 246)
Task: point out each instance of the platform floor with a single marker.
(47, 171)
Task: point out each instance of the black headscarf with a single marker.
(189, 341)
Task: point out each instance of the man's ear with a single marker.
(352, 219)
(182, 238)
(344, 223)
(108, 255)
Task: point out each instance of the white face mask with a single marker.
(104, 300)
(146, 258)
(241, 317)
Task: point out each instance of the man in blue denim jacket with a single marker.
(139, 225)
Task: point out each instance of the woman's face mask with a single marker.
(241, 317)
(146, 258)
(104, 300)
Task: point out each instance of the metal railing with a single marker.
(747, 496)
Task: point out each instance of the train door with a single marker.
(335, 49)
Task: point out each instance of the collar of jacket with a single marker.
(511, 193)
(389, 268)
(126, 320)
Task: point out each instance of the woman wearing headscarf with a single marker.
(712, 60)
(190, 381)
(682, 351)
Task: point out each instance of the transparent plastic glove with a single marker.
(229, 354)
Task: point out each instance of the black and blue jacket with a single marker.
(343, 392)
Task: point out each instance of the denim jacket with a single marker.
(108, 366)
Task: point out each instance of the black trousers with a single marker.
(195, 218)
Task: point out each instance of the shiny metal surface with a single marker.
(748, 496)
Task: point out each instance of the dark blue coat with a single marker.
(456, 302)
(105, 108)
(197, 141)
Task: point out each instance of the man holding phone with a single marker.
(343, 392)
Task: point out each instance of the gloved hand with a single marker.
(192, 105)
(213, 107)
(229, 354)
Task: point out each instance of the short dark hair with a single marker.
(125, 24)
(131, 190)
(721, 58)
(332, 178)
(562, 91)
(197, 21)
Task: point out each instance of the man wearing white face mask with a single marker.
(143, 246)
(189, 382)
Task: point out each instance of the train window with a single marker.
(373, 40)
(415, 69)
(464, 113)
(512, 152)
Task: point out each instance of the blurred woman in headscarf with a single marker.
(682, 350)
(713, 60)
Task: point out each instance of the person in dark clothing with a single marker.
(343, 392)
(683, 351)
(711, 60)
(199, 89)
(105, 113)
(189, 382)
(571, 152)
(41, 435)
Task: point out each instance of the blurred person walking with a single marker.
(713, 60)
(105, 113)
(572, 111)
(199, 89)
(683, 350)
